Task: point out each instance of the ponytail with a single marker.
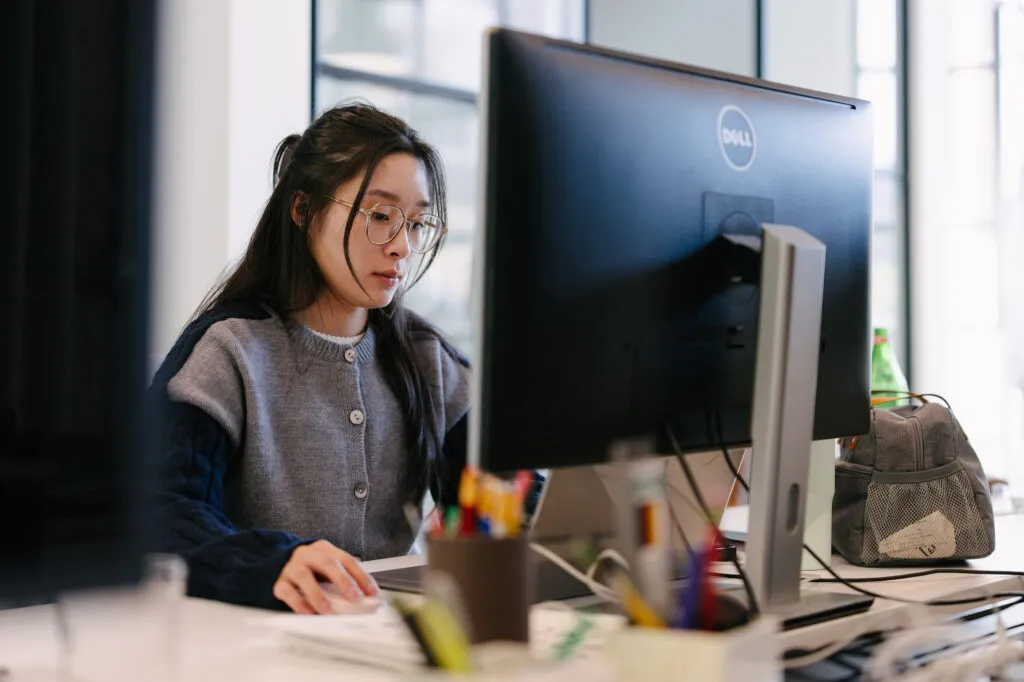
(283, 156)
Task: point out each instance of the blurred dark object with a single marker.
(74, 287)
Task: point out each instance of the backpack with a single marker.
(911, 491)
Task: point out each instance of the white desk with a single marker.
(219, 642)
(885, 615)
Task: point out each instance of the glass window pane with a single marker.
(438, 42)
(971, 32)
(887, 288)
(367, 35)
(433, 40)
(451, 37)
(1011, 30)
(971, 138)
(877, 40)
(887, 206)
(881, 90)
(556, 18)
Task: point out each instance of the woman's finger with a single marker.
(331, 569)
(302, 577)
(363, 579)
(286, 592)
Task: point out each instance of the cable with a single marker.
(602, 591)
(919, 574)
(603, 555)
(725, 453)
(817, 655)
(675, 517)
(751, 599)
(694, 488)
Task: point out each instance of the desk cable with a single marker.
(603, 592)
(706, 511)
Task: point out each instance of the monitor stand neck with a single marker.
(785, 384)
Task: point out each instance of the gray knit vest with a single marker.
(318, 437)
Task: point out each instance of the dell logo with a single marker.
(740, 138)
(736, 138)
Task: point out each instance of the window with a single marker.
(421, 60)
(878, 67)
(972, 331)
(1009, 145)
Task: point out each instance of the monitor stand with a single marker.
(785, 384)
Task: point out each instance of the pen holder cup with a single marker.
(496, 583)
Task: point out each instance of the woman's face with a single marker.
(399, 180)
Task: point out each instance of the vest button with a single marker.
(360, 491)
(356, 417)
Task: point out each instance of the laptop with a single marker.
(580, 502)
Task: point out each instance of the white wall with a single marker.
(233, 79)
(718, 34)
(270, 96)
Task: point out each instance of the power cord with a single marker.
(601, 591)
(692, 481)
(920, 574)
(675, 517)
(607, 555)
(801, 659)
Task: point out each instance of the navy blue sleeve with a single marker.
(444, 485)
(224, 563)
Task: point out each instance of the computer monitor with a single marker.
(74, 294)
(662, 248)
(610, 302)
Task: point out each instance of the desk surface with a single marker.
(886, 614)
(222, 642)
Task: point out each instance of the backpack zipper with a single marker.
(918, 443)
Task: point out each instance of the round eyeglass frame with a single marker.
(404, 224)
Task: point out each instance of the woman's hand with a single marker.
(298, 586)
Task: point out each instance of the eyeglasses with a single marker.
(383, 223)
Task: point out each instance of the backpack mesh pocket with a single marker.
(920, 516)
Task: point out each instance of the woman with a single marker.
(303, 407)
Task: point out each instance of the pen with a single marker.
(639, 611)
(523, 483)
(469, 494)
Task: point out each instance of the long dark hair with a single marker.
(279, 271)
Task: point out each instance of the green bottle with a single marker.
(887, 379)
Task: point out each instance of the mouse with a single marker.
(344, 607)
(729, 611)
